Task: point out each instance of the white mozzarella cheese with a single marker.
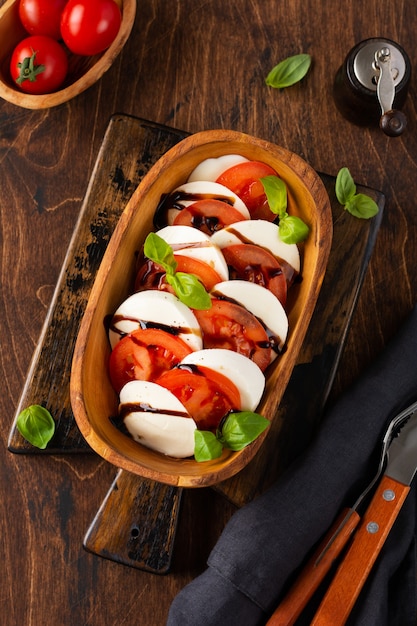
(192, 242)
(243, 372)
(165, 426)
(260, 302)
(203, 189)
(263, 234)
(160, 308)
(210, 169)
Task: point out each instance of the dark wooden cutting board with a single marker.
(143, 531)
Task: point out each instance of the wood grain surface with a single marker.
(193, 65)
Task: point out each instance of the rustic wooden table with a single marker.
(192, 65)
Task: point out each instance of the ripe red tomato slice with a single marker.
(243, 180)
(250, 262)
(207, 395)
(144, 355)
(90, 26)
(229, 325)
(39, 65)
(152, 276)
(42, 17)
(208, 215)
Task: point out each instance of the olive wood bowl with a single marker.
(82, 71)
(92, 397)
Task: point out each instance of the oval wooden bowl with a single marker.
(92, 397)
(82, 73)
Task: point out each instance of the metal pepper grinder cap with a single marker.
(372, 84)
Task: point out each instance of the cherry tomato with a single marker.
(42, 17)
(208, 215)
(230, 326)
(250, 262)
(243, 180)
(152, 276)
(207, 395)
(90, 26)
(144, 355)
(39, 65)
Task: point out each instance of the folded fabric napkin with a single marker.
(266, 541)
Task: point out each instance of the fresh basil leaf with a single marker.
(358, 204)
(206, 446)
(345, 186)
(240, 429)
(276, 193)
(289, 71)
(292, 229)
(190, 290)
(159, 251)
(36, 425)
(362, 206)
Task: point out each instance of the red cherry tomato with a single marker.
(208, 215)
(207, 395)
(144, 355)
(152, 276)
(250, 262)
(90, 26)
(39, 65)
(243, 180)
(230, 326)
(42, 17)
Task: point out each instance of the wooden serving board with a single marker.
(142, 533)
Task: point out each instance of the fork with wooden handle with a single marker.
(337, 538)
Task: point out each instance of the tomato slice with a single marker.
(243, 180)
(144, 355)
(247, 261)
(208, 215)
(152, 276)
(229, 325)
(207, 395)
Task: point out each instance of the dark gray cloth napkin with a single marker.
(267, 540)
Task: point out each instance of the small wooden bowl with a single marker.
(92, 397)
(82, 73)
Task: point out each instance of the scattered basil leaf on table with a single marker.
(238, 431)
(291, 229)
(36, 425)
(358, 204)
(289, 71)
(187, 287)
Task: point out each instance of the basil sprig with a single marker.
(358, 204)
(187, 287)
(289, 71)
(238, 431)
(291, 229)
(36, 425)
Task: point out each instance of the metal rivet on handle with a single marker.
(372, 528)
(388, 495)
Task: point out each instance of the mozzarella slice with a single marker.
(263, 234)
(210, 169)
(243, 372)
(160, 309)
(160, 421)
(203, 190)
(192, 242)
(260, 302)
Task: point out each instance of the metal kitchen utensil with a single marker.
(372, 84)
(337, 538)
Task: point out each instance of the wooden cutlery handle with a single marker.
(316, 569)
(361, 556)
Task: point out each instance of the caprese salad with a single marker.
(191, 346)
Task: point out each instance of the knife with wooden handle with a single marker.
(373, 528)
(334, 542)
